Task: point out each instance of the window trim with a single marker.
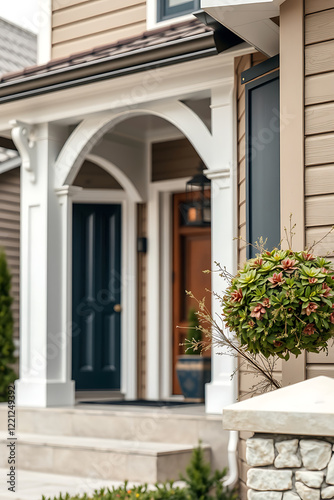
(164, 13)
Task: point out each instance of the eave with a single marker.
(251, 20)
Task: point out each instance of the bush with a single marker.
(200, 485)
(7, 374)
(282, 302)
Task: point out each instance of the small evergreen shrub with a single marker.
(7, 374)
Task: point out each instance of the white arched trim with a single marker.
(119, 175)
(90, 130)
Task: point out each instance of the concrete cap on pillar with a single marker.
(306, 408)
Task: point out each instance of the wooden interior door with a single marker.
(191, 256)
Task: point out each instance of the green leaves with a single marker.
(287, 303)
(7, 374)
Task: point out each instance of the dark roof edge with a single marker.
(53, 87)
(161, 55)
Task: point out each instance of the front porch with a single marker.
(112, 443)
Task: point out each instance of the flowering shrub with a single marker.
(282, 302)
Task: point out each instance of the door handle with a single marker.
(117, 308)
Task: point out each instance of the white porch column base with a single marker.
(219, 394)
(42, 394)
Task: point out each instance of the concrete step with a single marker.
(101, 458)
(32, 485)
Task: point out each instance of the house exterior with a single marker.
(125, 102)
(297, 38)
(18, 48)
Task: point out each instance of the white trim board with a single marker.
(159, 286)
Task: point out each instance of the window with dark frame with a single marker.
(167, 9)
(262, 117)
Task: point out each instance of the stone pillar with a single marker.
(45, 378)
(222, 391)
(291, 455)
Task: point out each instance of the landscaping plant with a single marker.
(194, 333)
(7, 374)
(279, 303)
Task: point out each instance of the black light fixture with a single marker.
(198, 205)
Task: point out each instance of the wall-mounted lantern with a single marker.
(197, 209)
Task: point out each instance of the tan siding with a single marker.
(10, 233)
(319, 119)
(318, 5)
(142, 304)
(79, 26)
(319, 145)
(319, 27)
(87, 10)
(319, 180)
(317, 233)
(319, 210)
(174, 160)
(319, 88)
(319, 149)
(319, 58)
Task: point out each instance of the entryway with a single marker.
(96, 297)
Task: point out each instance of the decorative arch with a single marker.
(89, 132)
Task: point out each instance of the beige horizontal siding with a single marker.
(319, 210)
(324, 239)
(319, 58)
(319, 149)
(10, 234)
(98, 24)
(73, 46)
(88, 10)
(319, 27)
(321, 357)
(319, 119)
(318, 370)
(319, 180)
(79, 26)
(318, 5)
(319, 88)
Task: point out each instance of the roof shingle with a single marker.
(18, 47)
(147, 40)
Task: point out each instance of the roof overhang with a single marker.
(251, 20)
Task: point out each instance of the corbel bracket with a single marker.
(23, 137)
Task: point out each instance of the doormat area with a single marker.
(141, 402)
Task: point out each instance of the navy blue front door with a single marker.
(96, 290)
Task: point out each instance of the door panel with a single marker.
(191, 256)
(96, 289)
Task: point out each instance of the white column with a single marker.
(221, 391)
(45, 377)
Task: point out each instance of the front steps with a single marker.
(113, 444)
(104, 458)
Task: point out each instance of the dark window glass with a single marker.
(168, 9)
(263, 161)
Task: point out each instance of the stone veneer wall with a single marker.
(285, 467)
